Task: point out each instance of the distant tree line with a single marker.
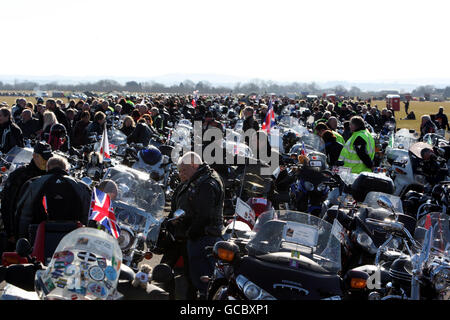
(204, 87)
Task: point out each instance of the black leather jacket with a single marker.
(10, 136)
(202, 198)
(12, 191)
(68, 199)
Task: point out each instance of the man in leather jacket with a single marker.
(54, 196)
(16, 179)
(201, 196)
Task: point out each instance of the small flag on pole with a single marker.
(102, 211)
(104, 145)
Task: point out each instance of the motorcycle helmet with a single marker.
(57, 136)
(58, 130)
(289, 139)
(150, 155)
(85, 266)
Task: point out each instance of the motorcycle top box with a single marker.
(369, 181)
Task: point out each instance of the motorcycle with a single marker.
(86, 265)
(139, 205)
(295, 256)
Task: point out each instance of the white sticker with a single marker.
(244, 211)
(315, 163)
(338, 231)
(300, 233)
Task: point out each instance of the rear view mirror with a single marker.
(23, 248)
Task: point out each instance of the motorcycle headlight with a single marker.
(251, 290)
(441, 279)
(125, 239)
(309, 186)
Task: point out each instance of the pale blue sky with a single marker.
(279, 40)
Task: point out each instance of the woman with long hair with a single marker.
(128, 125)
(49, 120)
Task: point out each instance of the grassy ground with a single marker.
(419, 108)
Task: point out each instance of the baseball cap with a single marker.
(43, 149)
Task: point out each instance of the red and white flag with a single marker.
(104, 145)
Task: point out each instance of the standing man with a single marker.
(359, 151)
(202, 198)
(406, 106)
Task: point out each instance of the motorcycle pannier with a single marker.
(369, 181)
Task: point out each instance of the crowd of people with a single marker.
(55, 125)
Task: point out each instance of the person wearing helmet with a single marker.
(58, 138)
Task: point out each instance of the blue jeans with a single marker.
(199, 263)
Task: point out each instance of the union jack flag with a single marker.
(103, 212)
(269, 121)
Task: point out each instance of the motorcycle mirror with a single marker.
(23, 247)
(87, 180)
(384, 202)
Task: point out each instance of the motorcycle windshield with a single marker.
(237, 148)
(289, 122)
(441, 232)
(312, 143)
(137, 190)
(299, 234)
(372, 198)
(403, 139)
(117, 137)
(85, 266)
(18, 157)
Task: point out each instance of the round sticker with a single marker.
(64, 256)
(70, 270)
(96, 289)
(96, 273)
(111, 273)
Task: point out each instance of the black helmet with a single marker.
(58, 130)
(289, 139)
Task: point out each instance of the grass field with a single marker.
(419, 108)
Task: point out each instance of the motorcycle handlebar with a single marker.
(20, 275)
